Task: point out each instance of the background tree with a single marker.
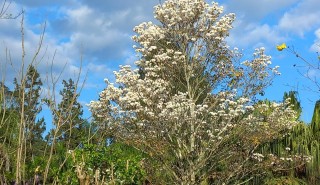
(28, 95)
(72, 126)
(181, 106)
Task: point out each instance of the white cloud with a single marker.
(254, 28)
(52, 58)
(101, 70)
(249, 30)
(101, 36)
(253, 10)
(97, 32)
(254, 35)
(37, 3)
(316, 46)
(313, 74)
(301, 18)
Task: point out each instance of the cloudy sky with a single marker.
(96, 35)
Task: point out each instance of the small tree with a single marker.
(188, 104)
(71, 125)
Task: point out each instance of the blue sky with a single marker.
(100, 32)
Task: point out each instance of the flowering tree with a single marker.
(189, 102)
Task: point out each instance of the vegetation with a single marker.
(188, 114)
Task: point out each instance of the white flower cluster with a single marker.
(271, 120)
(256, 73)
(172, 13)
(261, 62)
(199, 26)
(257, 156)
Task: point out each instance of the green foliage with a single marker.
(285, 181)
(116, 163)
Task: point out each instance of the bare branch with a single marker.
(4, 9)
